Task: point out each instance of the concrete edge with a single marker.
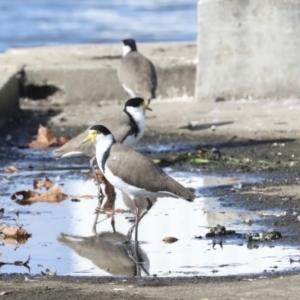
(9, 92)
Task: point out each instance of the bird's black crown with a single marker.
(100, 129)
(135, 102)
(131, 43)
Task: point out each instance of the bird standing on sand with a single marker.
(127, 126)
(136, 73)
(133, 173)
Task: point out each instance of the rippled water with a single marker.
(45, 22)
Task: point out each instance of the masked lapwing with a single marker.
(133, 173)
(128, 126)
(136, 73)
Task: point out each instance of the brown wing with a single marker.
(138, 170)
(118, 124)
(138, 73)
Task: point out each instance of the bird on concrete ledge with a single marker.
(133, 173)
(136, 73)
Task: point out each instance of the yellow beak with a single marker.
(146, 107)
(91, 137)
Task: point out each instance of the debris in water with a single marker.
(219, 230)
(37, 183)
(293, 260)
(49, 273)
(266, 214)
(205, 156)
(18, 263)
(264, 236)
(248, 221)
(15, 232)
(170, 239)
(11, 169)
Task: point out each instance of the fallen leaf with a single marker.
(170, 239)
(25, 194)
(12, 241)
(11, 169)
(15, 231)
(54, 195)
(45, 138)
(40, 184)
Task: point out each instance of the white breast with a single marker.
(139, 117)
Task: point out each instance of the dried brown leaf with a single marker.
(44, 138)
(45, 135)
(40, 184)
(170, 239)
(15, 232)
(8, 240)
(11, 169)
(54, 195)
(25, 194)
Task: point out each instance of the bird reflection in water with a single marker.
(109, 205)
(108, 252)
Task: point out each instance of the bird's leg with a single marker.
(136, 208)
(110, 202)
(136, 258)
(129, 234)
(109, 205)
(95, 223)
(147, 209)
(100, 193)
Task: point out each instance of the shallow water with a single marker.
(62, 237)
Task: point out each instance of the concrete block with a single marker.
(88, 73)
(9, 92)
(248, 48)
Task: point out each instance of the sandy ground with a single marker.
(259, 130)
(196, 288)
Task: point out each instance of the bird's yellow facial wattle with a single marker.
(145, 107)
(91, 137)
